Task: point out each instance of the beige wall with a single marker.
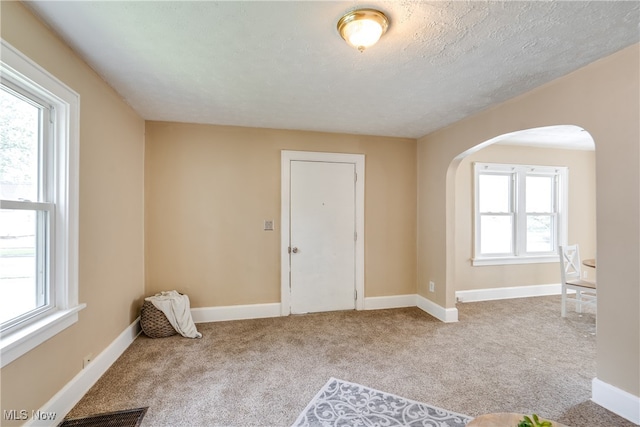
(603, 99)
(111, 245)
(581, 220)
(209, 189)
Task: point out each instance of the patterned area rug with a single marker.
(341, 403)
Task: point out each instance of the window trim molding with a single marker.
(17, 343)
(16, 67)
(562, 214)
(502, 260)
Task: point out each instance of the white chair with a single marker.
(571, 275)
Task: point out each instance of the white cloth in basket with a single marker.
(177, 309)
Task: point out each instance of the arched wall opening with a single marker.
(602, 98)
(565, 145)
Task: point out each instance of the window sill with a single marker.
(15, 344)
(515, 260)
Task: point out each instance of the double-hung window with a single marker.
(38, 205)
(520, 213)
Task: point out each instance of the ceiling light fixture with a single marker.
(363, 28)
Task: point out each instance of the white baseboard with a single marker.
(235, 312)
(615, 400)
(393, 301)
(447, 315)
(64, 400)
(259, 311)
(508, 293)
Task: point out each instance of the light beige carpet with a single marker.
(502, 356)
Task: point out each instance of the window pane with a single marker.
(496, 234)
(21, 270)
(494, 193)
(19, 142)
(539, 233)
(539, 194)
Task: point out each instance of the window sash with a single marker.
(553, 234)
(510, 199)
(511, 231)
(46, 140)
(44, 241)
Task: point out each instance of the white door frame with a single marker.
(286, 158)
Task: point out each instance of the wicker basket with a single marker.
(154, 323)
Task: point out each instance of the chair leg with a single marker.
(563, 305)
(579, 301)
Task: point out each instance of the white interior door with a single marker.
(322, 236)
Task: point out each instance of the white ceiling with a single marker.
(558, 136)
(283, 64)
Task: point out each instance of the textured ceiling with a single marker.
(283, 65)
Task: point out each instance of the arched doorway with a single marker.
(565, 145)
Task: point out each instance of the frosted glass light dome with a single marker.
(363, 28)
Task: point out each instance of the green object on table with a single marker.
(534, 421)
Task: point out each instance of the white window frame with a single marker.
(21, 72)
(519, 214)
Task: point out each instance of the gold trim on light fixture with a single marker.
(363, 28)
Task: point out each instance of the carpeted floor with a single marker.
(502, 356)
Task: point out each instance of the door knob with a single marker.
(294, 250)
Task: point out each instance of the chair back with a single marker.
(570, 263)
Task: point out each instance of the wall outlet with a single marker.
(268, 225)
(432, 286)
(87, 359)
